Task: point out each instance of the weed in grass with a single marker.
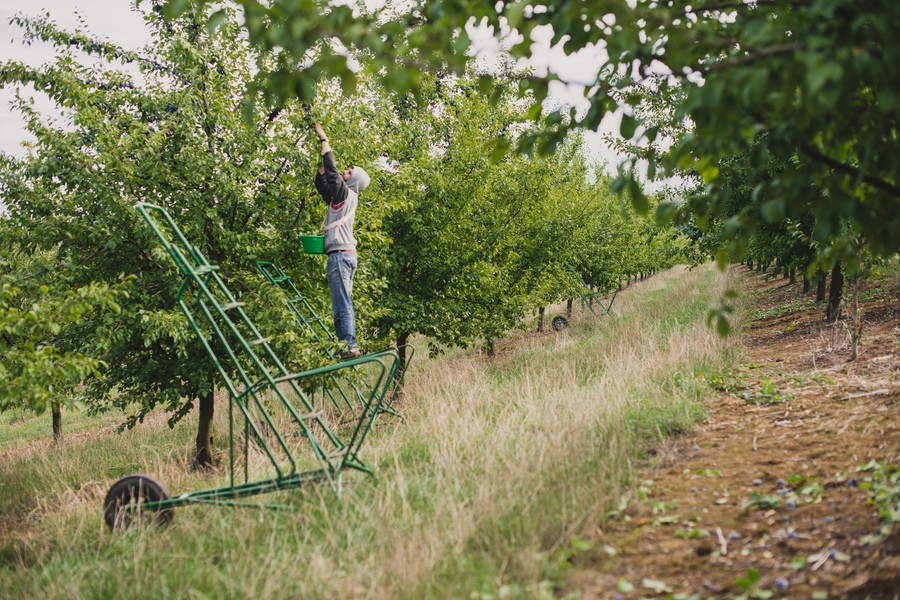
(792, 327)
(709, 472)
(806, 378)
(874, 294)
(883, 485)
(783, 309)
(692, 533)
(748, 586)
(768, 394)
(727, 381)
(660, 507)
(762, 501)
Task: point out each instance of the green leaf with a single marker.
(500, 149)
(666, 212)
(216, 21)
(618, 184)
(709, 174)
(723, 327)
(657, 586)
(773, 210)
(746, 582)
(514, 12)
(581, 545)
(628, 126)
(176, 8)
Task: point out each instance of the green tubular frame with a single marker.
(589, 297)
(307, 319)
(259, 384)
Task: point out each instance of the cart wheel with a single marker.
(123, 506)
(559, 323)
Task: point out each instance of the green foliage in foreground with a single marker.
(488, 488)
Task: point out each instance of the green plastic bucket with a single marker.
(313, 244)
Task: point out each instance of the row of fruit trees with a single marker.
(780, 117)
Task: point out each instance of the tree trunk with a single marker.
(805, 284)
(793, 275)
(540, 326)
(402, 341)
(569, 308)
(204, 458)
(835, 291)
(855, 324)
(750, 265)
(56, 415)
(490, 348)
(820, 286)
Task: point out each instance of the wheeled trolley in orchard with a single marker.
(599, 303)
(340, 391)
(279, 438)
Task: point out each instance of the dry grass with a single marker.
(499, 463)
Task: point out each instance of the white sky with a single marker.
(118, 21)
(114, 19)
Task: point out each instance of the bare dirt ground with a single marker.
(766, 497)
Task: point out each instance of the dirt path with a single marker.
(766, 499)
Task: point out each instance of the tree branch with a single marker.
(846, 169)
(750, 58)
(726, 6)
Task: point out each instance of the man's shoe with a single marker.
(351, 353)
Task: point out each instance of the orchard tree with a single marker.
(41, 361)
(476, 242)
(241, 191)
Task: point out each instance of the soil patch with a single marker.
(772, 495)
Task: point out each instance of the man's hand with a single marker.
(320, 133)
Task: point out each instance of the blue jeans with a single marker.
(341, 269)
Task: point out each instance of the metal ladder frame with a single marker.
(308, 320)
(203, 294)
(590, 297)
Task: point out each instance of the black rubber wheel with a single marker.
(559, 323)
(123, 506)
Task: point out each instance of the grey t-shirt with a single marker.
(338, 224)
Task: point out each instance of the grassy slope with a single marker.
(484, 487)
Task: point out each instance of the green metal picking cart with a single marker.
(599, 303)
(279, 437)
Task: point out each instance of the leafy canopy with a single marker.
(808, 81)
